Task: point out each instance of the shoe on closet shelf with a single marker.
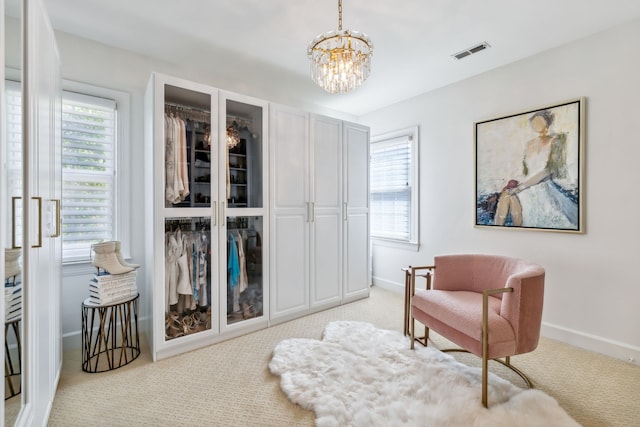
(106, 258)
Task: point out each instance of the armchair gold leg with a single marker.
(485, 337)
(506, 363)
(423, 339)
(413, 327)
(412, 333)
(485, 369)
(485, 348)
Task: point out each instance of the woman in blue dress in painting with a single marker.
(535, 199)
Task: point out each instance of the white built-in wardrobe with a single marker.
(256, 213)
(30, 204)
(319, 212)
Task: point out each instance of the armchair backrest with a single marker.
(479, 272)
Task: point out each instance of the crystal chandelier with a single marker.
(340, 59)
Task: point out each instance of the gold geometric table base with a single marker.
(110, 336)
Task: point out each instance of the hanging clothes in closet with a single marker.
(186, 269)
(176, 160)
(187, 288)
(237, 268)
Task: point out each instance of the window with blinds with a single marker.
(393, 181)
(88, 173)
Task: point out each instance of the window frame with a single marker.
(413, 242)
(122, 165)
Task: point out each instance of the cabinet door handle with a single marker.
(222, 219)
(13, 222)
(344, 211)
(313, 211)
(308, 211)
(39, 200)
(215, 213)
(58, 218)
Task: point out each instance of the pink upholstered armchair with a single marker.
(489, 305)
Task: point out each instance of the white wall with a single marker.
(592, 288)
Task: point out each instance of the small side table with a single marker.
(410, 274)
(110, 336)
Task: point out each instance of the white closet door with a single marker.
(356, 212)
(41, 262)
(290, 213)
(326, 221)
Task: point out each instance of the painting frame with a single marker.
(529, 169)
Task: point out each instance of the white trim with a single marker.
(398, 244)
(78, 268)
(122, 208)
(594, 343)
(12, 74)
(388, 285)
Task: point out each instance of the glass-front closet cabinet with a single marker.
(206, 190)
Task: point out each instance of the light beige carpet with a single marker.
(229, 384)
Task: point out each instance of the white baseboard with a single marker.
(388, 285)
(593, 343)
(572, 337)
(71, 340)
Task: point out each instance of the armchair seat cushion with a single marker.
(457, 315)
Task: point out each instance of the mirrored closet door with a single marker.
(12, 143)
(31, 142)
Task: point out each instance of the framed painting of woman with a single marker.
(529, 169)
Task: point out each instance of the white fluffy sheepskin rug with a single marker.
(359, 375)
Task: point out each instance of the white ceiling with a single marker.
(267, 39)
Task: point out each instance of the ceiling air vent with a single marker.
(474, 49)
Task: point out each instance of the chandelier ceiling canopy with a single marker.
(340, 59)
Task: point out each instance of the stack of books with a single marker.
(12, 302)
(106, 288)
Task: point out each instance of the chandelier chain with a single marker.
(340, 15)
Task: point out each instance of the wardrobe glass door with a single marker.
(188, 159)
(245, 280)
(190, 219)
(244, 139)
(12, 143)
(244, 143)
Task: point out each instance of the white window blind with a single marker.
(88, 173)
(391, 183)
(13, 156)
